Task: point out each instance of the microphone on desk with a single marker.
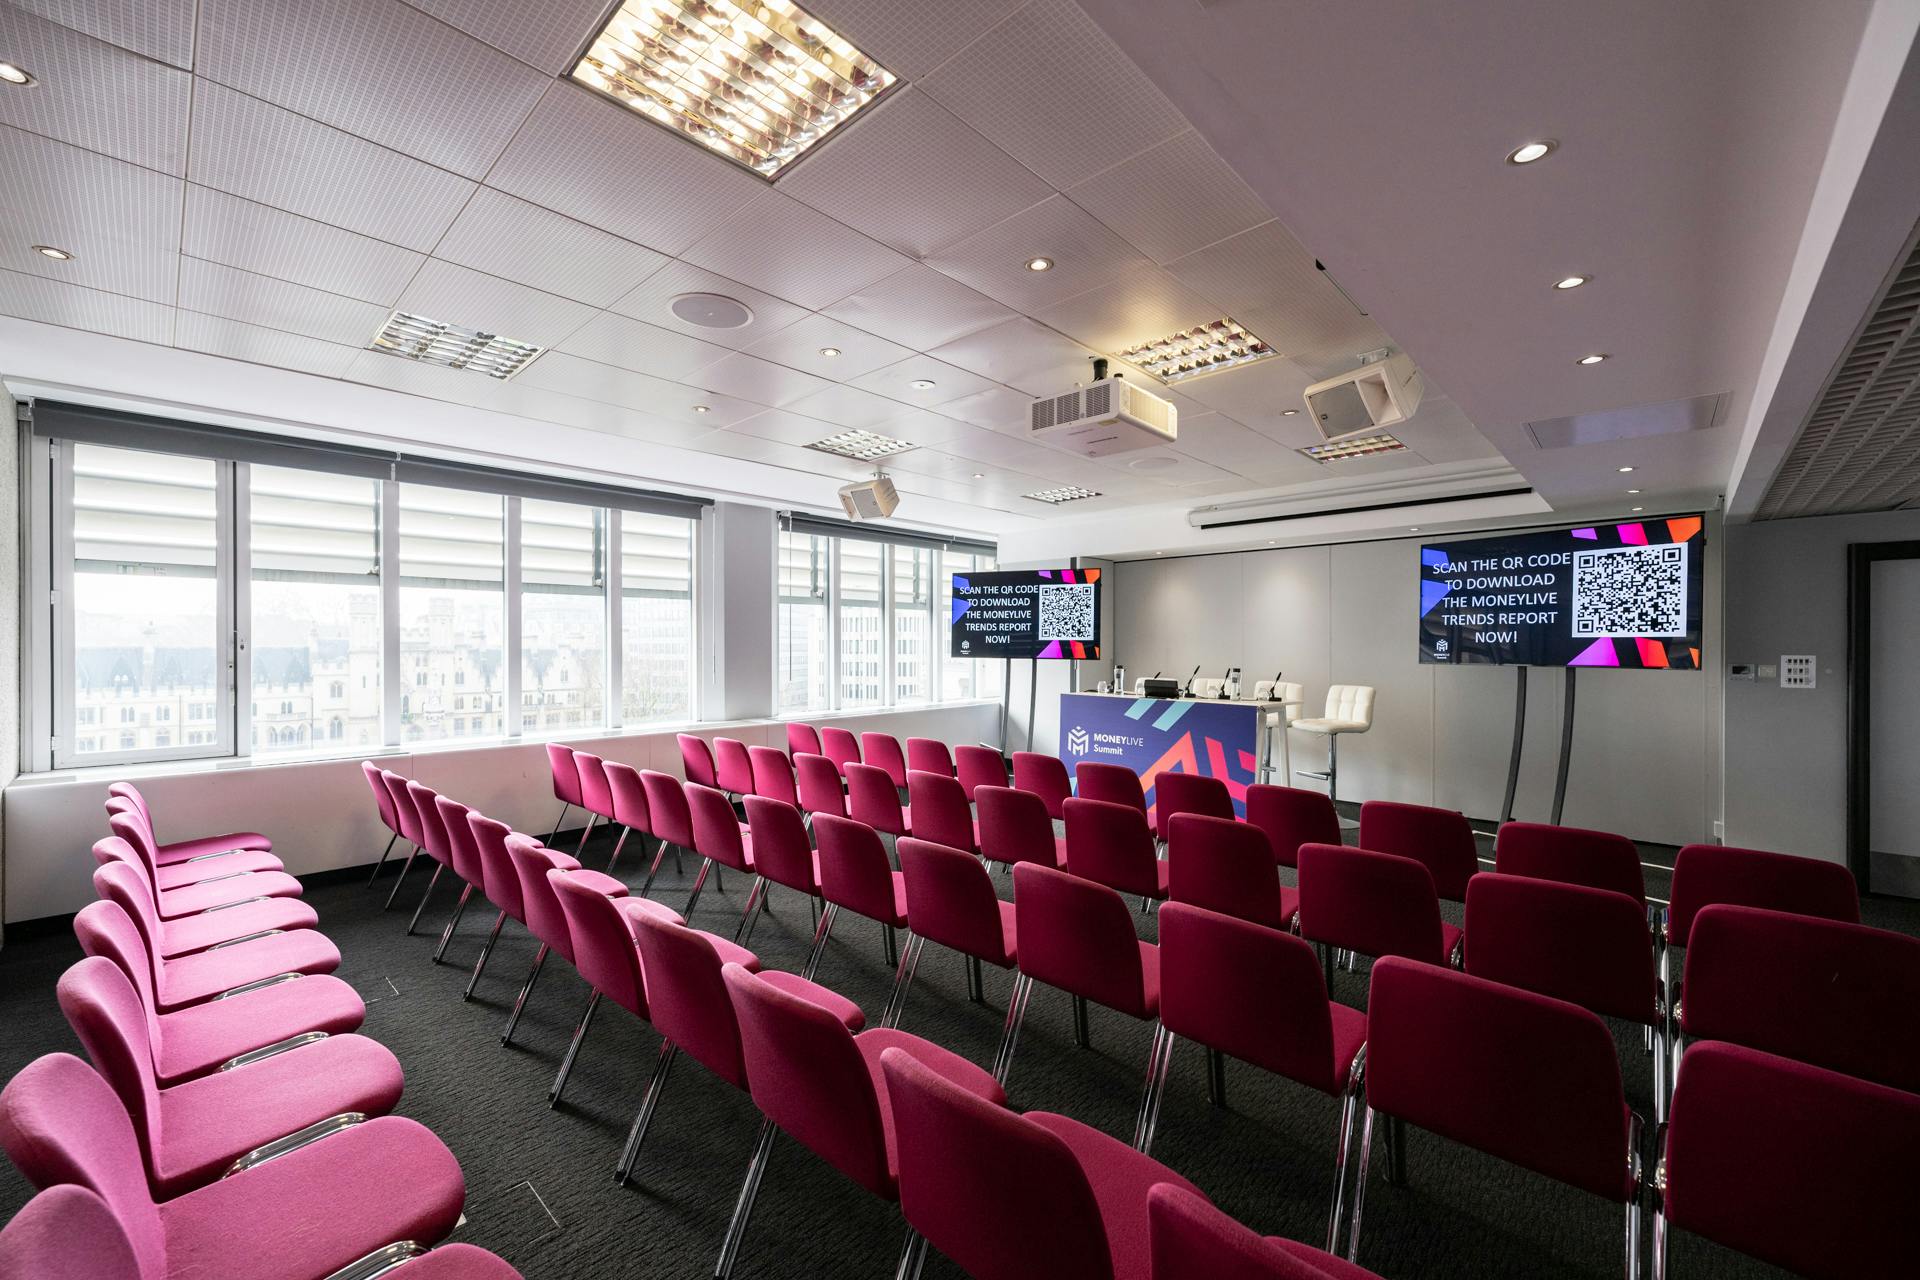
(1226, 682)
(1188, 691)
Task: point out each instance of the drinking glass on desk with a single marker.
(1102, 687)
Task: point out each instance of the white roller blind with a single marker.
(656, 555)
(561, 545)
(137, 512)
(310, 523)
(452, 536)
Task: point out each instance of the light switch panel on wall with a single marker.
(1796, 671)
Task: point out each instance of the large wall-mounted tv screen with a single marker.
(1597, 595)
(1026, 613)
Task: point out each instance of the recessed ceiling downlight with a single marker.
(49, 251)
(1529, 152)
(1571, 282)
(15, 75)
(711, 310)
(1595, 358)
(1152, 463)
(1039, 264)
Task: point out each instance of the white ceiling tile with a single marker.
(777, 244)
(254, 149)
(1264, 279)
(1085, 255)
(542, 33)
(1172, 199)
(919, 308)
(277, 304)
(1217, 439)
(160, 29)
(585, 156)
(220, 337)
(268, 241)
(910, 40)
(761, 381)
(652, 302)
(52, 302)
(798, 347)
(503, 235)
(1139, 307)
(847, 407)
(950, 382)
(458, 386)
(1051, 89)
(998, 408)
(774, 453)
(911, 175)
(574, 376)
(1255, 395)
(474, 300)
(1023, 354)
(782, 426)
(614, 339)
(141, 118)
(120, 221)
(376, 69)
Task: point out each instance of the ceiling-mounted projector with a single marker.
(1108, 415)
(874, 499)
(1375, 395)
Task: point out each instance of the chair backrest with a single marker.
(382, 798)
(686, 996)
(1572, 855)
(808, 1077)
(404, 812)
(1378, 904)
(1440, 838)
(978, 766)
(818, 785)
(499, 881)
(66, 1233)
(433, 831)
(667, 808)
(733, 766)
(1292, 692)
(716, 831)
(1113, 783)
(1291, 817)
(105, 929)
(129, 826)
(121, 883)
(1224, 866)
(1000, 1196)
(1704, 874)
(1352, 703)
(1015, 826)
(1176, 793)
(1574, 943)
(1078, 936)
(131, 794)
(457, 820)
(104, 1012)
(1533, 1080)
(873, 799)
(803, 739)
(1189, 1239)
(855, 871)
(781, 851)
(629, 797)
(61, 1123)
(1840, 996)
(882, 751)
(938, 810)
(1113, 844)
(566, 775)
(929, 755)
(1045, 776)
(771, 773)
(839, 746)
(950, 898)
(603, 948)
(596, 794)
(1808, 1191)
(696, 759)
(544, 917)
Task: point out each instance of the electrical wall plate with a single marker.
(1796, 671)
(1741, 671)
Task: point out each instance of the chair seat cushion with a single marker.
(1325, 1263)
(813, 993)
(313, 1211)
(196, 933)
(181, 874)
(197, 1039)
(194, 978)
(598, 880)
(193, 899)
(187, 850)
(946, 1063)
(1320, 724)
(1450, 936)
(459, 1262)
(1120, 1178)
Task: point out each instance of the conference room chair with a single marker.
(189, 1133)
(802, 740)
(672, 821)
(1586, 946)
(1255, 993)
(1440, 838)
(1012, 1196)
(629, 808)
(433, 838)
(127, 822)
(1349, 710)
(1016, 826)
(1113, 783)
(696, 759)
(951, 901)
(720, 841)
(383, 804)
(201, 931)
(940, 813)
(1532, 1080)
(201, 1038)
(688, 1005)
(596, 794)
(1189, 1239)
(1079, 939)
(408, 817)
(855, 873)
(929, 755)
(782, 853)
(1291, 817)
(499, 884)
(1176, 793)
(873, 799)
(566, 784)
(1372, 904)
(1227, 866)
(193, 898)
(839, 746)
(882, 751)
(819, 786)
(773, 776)
(1291, 694)
(457, 819)
(732, 767)
(1798, 1166)
(1111, 843)
(1206, 687)
(1044, 776)
(1571, 855)
(168, 853)
(978, 766)
(546, 920)
(300, 1210)
(821, 1084)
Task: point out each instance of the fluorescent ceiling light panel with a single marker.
(1065, 493)
(1358, 447)
(435, 342)
(1206, 348)
(758, 83)
(862, 446)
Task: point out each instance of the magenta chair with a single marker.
(782, 853)
(1810, 1193)
(696, 759)
(1532, 1080)
(978, 767)
(1227, 866)
(242, 918)
(1189, 1239)
(732, 767)
(1291, 817)
(499, 884)
(174, 851)
(815, 1080)
(773, 775)
(950, 900)
(596, 794)
(1112, 783)
(408, 817)
(383, 802)
(1373, 904)
(929, 755)
(802, 740)
(546, 920)
(629, 808)
(300, 1209)
(1015, 828)
(433, 838)
(191, 1132)
(1440, 838)
(191, 899)
(839, 746)
(941, 814)
(66, 1233)
(1043, 776)
(873, 799)
(672, 821)
(882, 751)
(1256, 993)
(1112, 844)
(1571, 855)
(566, 784)
(819, 787)
(1007, 1196)
(127, 821)
(720, 841)
(205, 1037)
(1177, 793)
(855, 873)
(458, 819)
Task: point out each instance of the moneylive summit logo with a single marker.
(1080, 742)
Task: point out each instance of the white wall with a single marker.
(9, 618)
(739, 627)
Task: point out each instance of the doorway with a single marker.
(1883, 715)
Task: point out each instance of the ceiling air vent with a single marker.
(414, 337)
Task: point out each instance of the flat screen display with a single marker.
(1026, 613)
(1598, 595)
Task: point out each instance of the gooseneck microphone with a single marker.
(1188, 691)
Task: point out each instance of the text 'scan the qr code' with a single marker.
(1066, 612)
(1631, 591)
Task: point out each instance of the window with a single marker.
(563, 610)
(912, 594)
(656, 617)
(863, 642)
(964, 677)
(453, 613)
(804, 630)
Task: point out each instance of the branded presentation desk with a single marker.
(1218, 737)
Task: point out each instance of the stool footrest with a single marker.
(1321, 774)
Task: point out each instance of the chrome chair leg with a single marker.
(1163, 1042)
(1216, 1078)
(822, 931)
(437, 869)
(889, 948)
(618, 845)
(913, 1256)
(1010, 1036)
(1081, 1037)
(573, 1050)
(402, 879)
(699, 883)
(1360, 1187)
(902, 979)
(1633, 1239)
(743, 1207)
(976, 982)
(526, 989)
(453, 922)
(655, 1086)
(486, 949)
(660, 851)
(585, 835)
(1344, 1139)
(751, 915)
(383, 859)
(558, 823)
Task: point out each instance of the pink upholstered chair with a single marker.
(1112, 783)
(839, 746)
(940, 811)
(546, 920)
(1439, 838)
(696, 759)
(1291, 817)
(732, 767)
(978, 767)
(408, 817)
(125, 819)
(855, 873)
(1189, 1239)
(301, 1210)
(1375, 904)
(720, 841)
(629, 808)
(240, 918)
(193, 898)
(1572, 855)
(1176, 793)
(433, 838)
(782, 853)
(873, 799)
(383, 803)
(1227, 866)
(596, 794)
(882, 751)
(819, 786)
(1045, 776)
(802, 740)
(457, 818)
(566, 784)
(929, 755)
(1111, 843)
(1015, 827)
(672, 820)
(66, 1233)
(499, 884)
(950, 900)
(773, 775)
(169, 852)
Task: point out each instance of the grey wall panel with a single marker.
(1285, 601)
(1375, 595)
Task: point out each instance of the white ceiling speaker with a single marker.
(1109, 415)
(1380, 393)
(874, 499)
(712, 310)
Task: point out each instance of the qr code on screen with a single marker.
(1631, 591)
(1066, 613)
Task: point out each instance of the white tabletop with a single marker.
(1244, 702)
